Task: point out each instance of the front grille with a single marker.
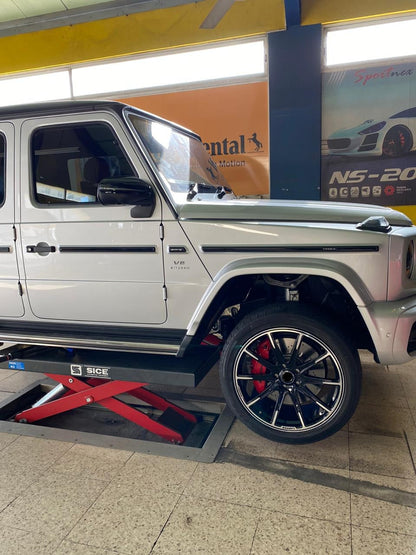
(334, 144)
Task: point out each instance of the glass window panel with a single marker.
(69, 161)
(2, 168)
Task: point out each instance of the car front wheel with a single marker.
(398, 141)
(288, 373)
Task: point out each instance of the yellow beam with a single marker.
(141, 32)
(330, 11)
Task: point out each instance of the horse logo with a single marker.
(257, 144)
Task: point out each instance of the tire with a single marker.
(398, 141)
(312, 382)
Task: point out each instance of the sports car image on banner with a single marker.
(369, 135)
(393, 136)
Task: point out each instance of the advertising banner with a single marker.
(369, 135)
(233, 124)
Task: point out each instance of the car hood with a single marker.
(341, 133)
(294, 211)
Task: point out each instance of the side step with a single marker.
(105, 338)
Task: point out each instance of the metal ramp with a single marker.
(103, 398)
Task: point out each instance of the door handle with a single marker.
(43, 249)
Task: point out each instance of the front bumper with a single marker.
(359, 145)
(392, 326)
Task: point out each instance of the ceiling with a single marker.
(23, 16)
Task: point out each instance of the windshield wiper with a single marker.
(222, 191)
(201, 188)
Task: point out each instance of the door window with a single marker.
(69, 161)
(2, 168)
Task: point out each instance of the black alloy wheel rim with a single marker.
(288, 380)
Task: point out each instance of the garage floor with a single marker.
(352, 493)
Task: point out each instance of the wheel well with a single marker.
(400, 126)
(242, 294)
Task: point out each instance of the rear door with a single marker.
(11, 305)
(84, 261)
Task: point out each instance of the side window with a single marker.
(69, 161)
(2, 167)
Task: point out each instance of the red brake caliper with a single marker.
(263, 350)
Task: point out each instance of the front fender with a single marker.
(337, 271)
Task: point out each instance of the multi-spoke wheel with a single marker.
(290, 375)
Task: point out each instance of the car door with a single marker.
(11, 305)
(85, 261)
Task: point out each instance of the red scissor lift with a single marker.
(88, 377)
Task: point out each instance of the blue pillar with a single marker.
(295, 112)
(292, 12)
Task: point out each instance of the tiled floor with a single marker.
(352, 493)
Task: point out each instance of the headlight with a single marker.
(373, 128)
(410, 260)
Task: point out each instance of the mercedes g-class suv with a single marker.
(118, 232)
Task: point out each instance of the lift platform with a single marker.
(104, 398)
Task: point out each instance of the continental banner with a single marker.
(369, 135)
(233, 124)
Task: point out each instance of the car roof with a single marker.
(40, 109)
(59, 107)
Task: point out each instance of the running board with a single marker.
(100, 345)
(166, 342)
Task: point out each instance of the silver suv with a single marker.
(118, 232)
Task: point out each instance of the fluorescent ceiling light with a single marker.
(371, 42)
(35, 88)
(219, 62)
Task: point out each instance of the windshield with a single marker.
(182, 160)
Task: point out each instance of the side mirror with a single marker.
(128, 191)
